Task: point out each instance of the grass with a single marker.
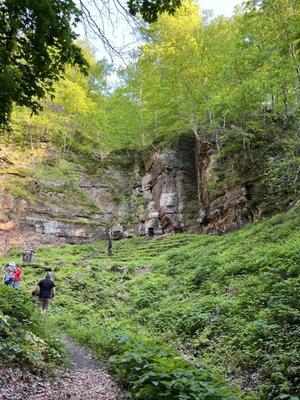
(227, 304)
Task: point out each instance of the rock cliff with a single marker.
(167, 191)
(226, 209)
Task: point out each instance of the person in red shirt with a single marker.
(16, 278)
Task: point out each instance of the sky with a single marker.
(220, 7)
(120, 33)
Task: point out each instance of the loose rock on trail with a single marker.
(86, 379)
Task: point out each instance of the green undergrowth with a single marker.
(147, 368)
(187, 316)
(26, 340)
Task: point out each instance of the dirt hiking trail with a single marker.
(85, 379)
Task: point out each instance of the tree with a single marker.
(37, 42)
(74, 120)
(149, 10)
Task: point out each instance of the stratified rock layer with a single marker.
(167, 192)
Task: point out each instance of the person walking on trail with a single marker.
(109, 248)
(46, 292)
(10, 270)
(16, 278)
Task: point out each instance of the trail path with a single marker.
(85, 380)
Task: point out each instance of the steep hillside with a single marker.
(180, 311)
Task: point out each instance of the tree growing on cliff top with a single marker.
(37, 42)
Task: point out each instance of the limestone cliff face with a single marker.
(47, 220)
(167, 185)
(229, 208)
(166, 192)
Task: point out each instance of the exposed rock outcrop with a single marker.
(228, 212)
(167, 192)
(229, 208)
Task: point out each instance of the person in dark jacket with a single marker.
(46, 292)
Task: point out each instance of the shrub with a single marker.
(24, 340)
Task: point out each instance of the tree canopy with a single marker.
(150, 10)
(37, 41)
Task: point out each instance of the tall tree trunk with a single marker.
(294, 57)
(201, 209)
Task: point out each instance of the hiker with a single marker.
(109, 248)
(46, 292)
(16, 278)
(10, 270)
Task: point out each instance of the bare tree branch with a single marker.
(98, 16)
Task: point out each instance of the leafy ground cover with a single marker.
(25, 339)
(187, 316)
